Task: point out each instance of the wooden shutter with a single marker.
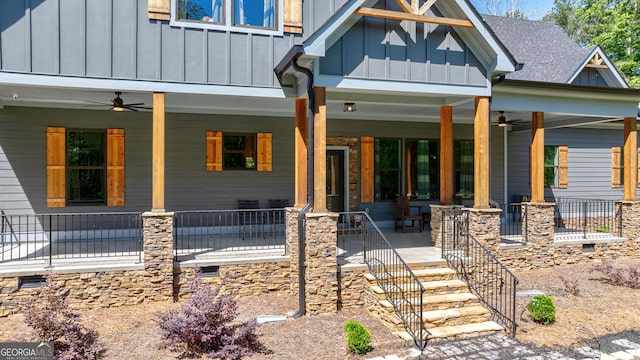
(293, 16)
(638, 167)
(115, 167)
(265, 162)
(214, 151)
(563, 167)
(159, 9)
(56, 167)
(367, 182)
(616, 166)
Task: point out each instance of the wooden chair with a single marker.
(408, 213)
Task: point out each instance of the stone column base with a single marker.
(158, 255)
(321, 263)
(436, 223)
(292, 246)
(484, 226)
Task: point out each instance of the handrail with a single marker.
(486, 276)
(393, 276)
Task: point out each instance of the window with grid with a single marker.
(423, 169)
(260, 14)
(551, 166)
(463, 168)
(387, 168)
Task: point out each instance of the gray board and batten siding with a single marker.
(115, 39)
(589, 162)
(392, 50)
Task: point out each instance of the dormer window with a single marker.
(259, 16)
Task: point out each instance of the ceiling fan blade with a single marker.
(134, 104)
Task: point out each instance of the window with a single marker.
(551, 162)
(86, 166)
(79, 162)
(463, 167)
(423, 169)
(233, 151)
(387, 168)
(258, 14)
(239, 152)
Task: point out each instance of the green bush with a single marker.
(542, 309)
(358, 337)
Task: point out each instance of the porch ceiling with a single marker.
(380, 106)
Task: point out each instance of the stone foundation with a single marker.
(292, 246)
(352, 286)
(436, 223)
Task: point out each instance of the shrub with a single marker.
(358, 337)
(603, 228)
(571, 286)
(203, 325)
(542, 309)
(49, 315)
(629, 277)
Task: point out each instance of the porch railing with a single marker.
(359, 234)
(52, 237)
(228, 230)
(486, 276)
(514, 223)
(583, 216)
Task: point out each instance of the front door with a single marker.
(335, 180)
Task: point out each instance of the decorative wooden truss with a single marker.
(414, 12)
(597, 62)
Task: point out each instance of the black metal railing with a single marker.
(52, 237)
(514, 223)
(359, 234)
(486, 276)
(583, 216)
(228, 230)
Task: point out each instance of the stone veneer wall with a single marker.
(352, 285)
(321, 265)
(86, 289)
(257, 278)
(292, 246)
(436, 223)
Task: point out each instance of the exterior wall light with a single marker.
(349, 107)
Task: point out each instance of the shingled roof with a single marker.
(547, 53)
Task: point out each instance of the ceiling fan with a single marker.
(502, 120)
(119, 105)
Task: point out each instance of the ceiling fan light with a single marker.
(502, 121)
(118, 108)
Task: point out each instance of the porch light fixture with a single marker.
(502, 121)
(349, 107)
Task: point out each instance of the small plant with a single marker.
(203, 325)
(571, 286)
(358, 337)
(603, 228)
(542, 309)
(629, 277)
(49, 315)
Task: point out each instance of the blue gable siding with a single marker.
(391, 50)
(114, 39)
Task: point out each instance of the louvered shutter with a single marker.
(159, 9)
(265, 162)
(563, 167)
(115, 167)
(214, 151)
(367, 183)
(616, 166)
(293, 16)
(56, 167)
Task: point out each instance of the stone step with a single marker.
(430, 288)
(438, 263)
(424, 275)
(455, 316)
(448, 301)
(462, 331)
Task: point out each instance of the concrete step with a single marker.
(455, 316)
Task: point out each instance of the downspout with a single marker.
(310, 168)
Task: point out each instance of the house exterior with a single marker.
(162, 107)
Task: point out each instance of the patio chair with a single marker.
(247, 219)
(408, 213)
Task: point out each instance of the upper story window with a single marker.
(259, 16)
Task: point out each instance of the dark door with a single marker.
(335, 180)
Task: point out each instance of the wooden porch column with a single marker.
(301, 150)
(630, 159)
(481, 154)
(320, 150)
(158, 153)
(446, 155)
(537, 158)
